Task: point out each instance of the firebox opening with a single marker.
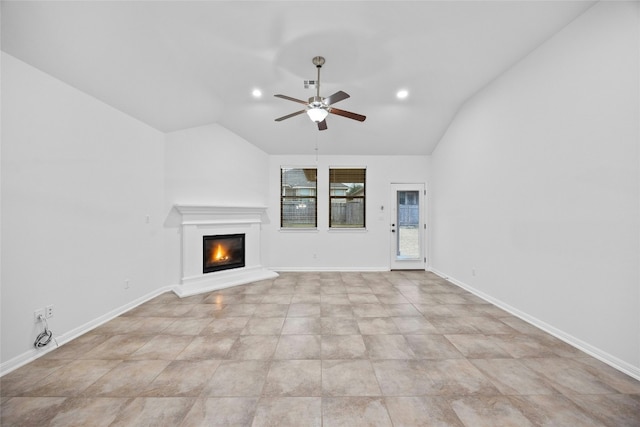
(222, 252)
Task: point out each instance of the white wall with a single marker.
(339, 249)
(208, 165)
(536, 186)
(78, 181)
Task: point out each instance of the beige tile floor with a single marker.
(320, 349)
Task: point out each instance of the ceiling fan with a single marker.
(318, 108)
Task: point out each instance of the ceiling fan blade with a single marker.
(322, 125)
(336, 97)
(288, 116)
(299, 101)
(348, 114)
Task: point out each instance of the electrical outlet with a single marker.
(48, 311)
(36, 315)
(126, 284)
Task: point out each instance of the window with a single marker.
(298, 198)
(347, 198)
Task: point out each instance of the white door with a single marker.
(407, 227)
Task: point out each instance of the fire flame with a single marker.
(219, 253)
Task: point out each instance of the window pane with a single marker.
(299, 212)
(347, 198)
(408, 220)
(298, 198)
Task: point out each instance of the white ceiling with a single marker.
(179, 64)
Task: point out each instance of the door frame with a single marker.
(407, 264)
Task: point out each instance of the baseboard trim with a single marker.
(603, 356)
(33, 354)
(330, 269)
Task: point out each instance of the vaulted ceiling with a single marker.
(180, 64)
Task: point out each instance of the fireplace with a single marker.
(222, 252)
(199, 223)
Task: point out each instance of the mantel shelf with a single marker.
(212, 214)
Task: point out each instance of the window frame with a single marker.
(289, 224)
(362, 197)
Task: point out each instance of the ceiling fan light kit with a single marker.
(318, 108)
(317, 114)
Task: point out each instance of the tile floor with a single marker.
(320, 349)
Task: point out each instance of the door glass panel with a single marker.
(408, 235)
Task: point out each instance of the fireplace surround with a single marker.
(199, 221)
(222, 252)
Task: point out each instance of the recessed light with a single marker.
(402, 94)
(257, 93)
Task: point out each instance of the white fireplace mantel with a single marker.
(198, 221)
(200, 214)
